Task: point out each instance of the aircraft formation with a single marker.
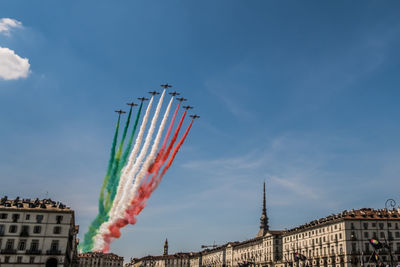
(135, 169)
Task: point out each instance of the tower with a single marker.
(166, 247)
(264, 218)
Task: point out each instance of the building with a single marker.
(36, 232)
(95, 259)
(339, 240)
(343, 239)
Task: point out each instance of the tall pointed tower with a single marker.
(264, 218)
(165, 247)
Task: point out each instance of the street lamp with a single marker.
(392, 204)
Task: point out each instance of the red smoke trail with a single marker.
(145, 190)
(161, 152)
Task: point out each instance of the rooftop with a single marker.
(31, 204)
(108, 256)
(360, 214)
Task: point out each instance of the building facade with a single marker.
(96, 259)
(36, 233)
(339, 240)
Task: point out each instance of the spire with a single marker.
(166, 247)
(264, 218)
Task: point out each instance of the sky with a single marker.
(303, 95)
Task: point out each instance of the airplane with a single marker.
(166, 86)
(131, 104)
(187, 107)
(143, 99)
(175, 93)
(154, 93)
(194, 116)
(181, 99)
(120, 111)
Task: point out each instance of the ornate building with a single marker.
(37, 233)
(339, 240)
(95, 259)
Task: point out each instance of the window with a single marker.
(353, 247)
(22, 244)
(389, 225)
(381, 226)
(397, 234)
(35, 245)
(374, 235)
(59, 219)
(25, 230)
(365, 226)
(57, 230)
(7, 259)
(19, 259)
(31, 259)
(27, 217)
(39, 218)
(1, 229)
(10, 244)
(352, 226)
(37, 229)
(382, 234)
(366, 234)
(54, 245)
(3, 215)
(15, 217)
(373, 224)
(12, 229)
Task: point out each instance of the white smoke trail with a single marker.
(124, 182)
(150, 159)
(139, 160)
(119, 208)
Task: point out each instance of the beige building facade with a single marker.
(339, 240)
(36, 233)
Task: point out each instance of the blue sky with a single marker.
(301, 94)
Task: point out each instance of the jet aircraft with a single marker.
(143, 99)
(120, 111)
(131, 104)
(187, 107)
(175, 93)
(166, 86)
(181, 99)
(154, 93)
(194, 116)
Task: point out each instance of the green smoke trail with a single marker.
(87, 244)
(114, 177)
(124, 158)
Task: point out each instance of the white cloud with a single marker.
(12, 66)
(6, 24)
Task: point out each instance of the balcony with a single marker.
(53, 252)
(8, 251)
(33, 252)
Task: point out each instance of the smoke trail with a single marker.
(161, 152)
(124, 182)
(114, 177)
(88, 237)
(129, 145)
(139, 202)
(119, 207)
(139, 161)
(150, 158)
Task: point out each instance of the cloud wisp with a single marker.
(7, 24)
(12, 66)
